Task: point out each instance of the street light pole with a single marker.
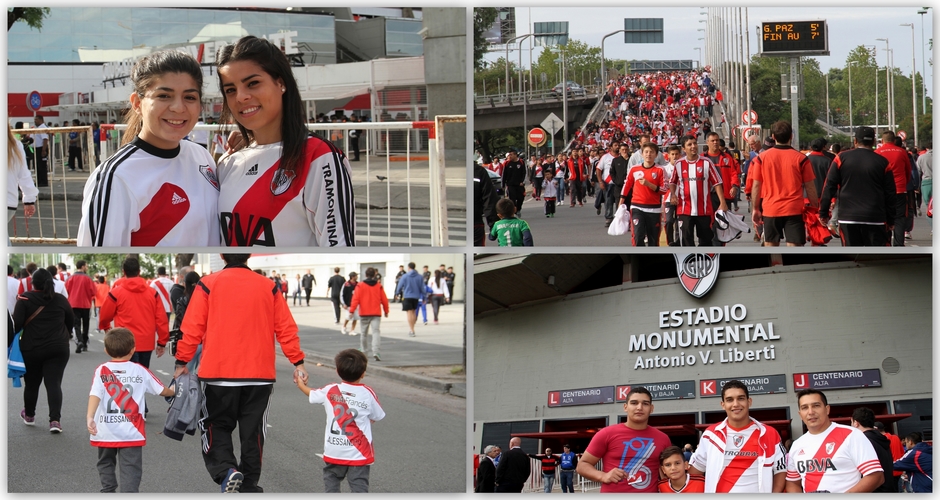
(564, 90)
(699, 49)
(875, 56)
(923, 59)
(913, 84)
(603, 61)
(887, 80)
(851, 124)
(525, 96)
(747, 37)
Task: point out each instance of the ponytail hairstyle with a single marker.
(273, 61)
(189, 283)
(42, 281)
(437, 277)
(148, 69)
(12, 150)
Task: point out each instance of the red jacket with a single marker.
(81, 291)
(137, 307)
(370, 297)
(237, 314)
(899, 163)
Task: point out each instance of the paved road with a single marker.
(419, 424)
(581, 226)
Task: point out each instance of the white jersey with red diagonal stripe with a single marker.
(121, 385)
(350, 411)
(694, 181)
(262, 204)
(146, 196)
(833, 460)
(739, 460)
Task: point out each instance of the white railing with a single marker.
(51, 222)
(535, 483)
(381, 165)
(586, 485)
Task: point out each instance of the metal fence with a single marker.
(535, 484)
(391, 180)
(52, 222)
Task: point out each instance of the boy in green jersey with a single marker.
(509, 231)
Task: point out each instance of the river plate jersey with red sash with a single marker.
(350, 411)
(121, 385)
(833, 461)
(147, 196)
(262, 204)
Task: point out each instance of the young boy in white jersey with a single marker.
(351, 407)
(114, 419)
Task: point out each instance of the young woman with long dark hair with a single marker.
(286, 188)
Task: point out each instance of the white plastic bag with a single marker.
(621, 222)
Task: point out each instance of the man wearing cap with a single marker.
(514, 180)
(899, 163)
(867, 193)
(777, 191)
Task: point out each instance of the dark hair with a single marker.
(734, 384)
(273, 61)
(370, 272)
(673, 147)
(652, 146)
(148, 69)
(350, 364)
(639, 389)
(686, 138)
(189, 283)
(42, 281)
(864, 416)
(31, 267)
(887, 137)
(818, 144)
(781, 131)
(53, 270)
(131, 267)
(808, 392)
(836, 148)
(118, 342)
(9, 270)
(505, 207)
(335, 269)
(411, 265)
(437, 277)
(101, 279)
(670, 451)
(236, 259)
(161, 271)
(710, 134)
(80, 264)
(62, 266)
(913, 437)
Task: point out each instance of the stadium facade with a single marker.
(559, 339)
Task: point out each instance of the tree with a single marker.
(32, 16)
(582, 60)
(499, 141)
(111, 263)
(483, 19)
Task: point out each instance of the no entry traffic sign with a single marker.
(749, 117)
(537, 137)
(902, 134)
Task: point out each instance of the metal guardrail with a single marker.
(516, 98)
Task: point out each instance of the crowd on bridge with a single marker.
(681, 194)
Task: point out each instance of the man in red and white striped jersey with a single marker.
(740, 454)
(830, 457)
(691, 182)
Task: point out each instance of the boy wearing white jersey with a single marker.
(830, 457)
(114, 419)
(351, 407)
(740, 454)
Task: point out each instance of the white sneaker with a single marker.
(353, 333)
(345, 331)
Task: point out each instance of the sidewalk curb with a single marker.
(410, 378)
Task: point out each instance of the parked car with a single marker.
(574, 90)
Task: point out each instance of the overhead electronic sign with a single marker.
(795, 38)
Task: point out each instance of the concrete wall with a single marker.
(445, 71)
(828, 316)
